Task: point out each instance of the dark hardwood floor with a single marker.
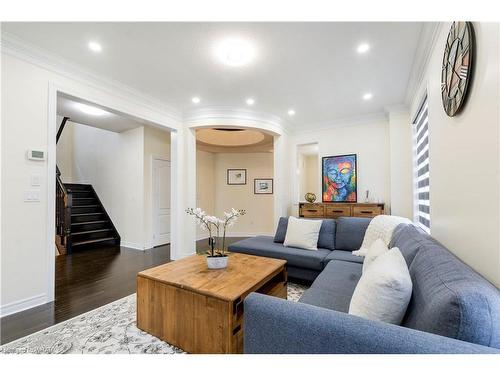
(86, 280)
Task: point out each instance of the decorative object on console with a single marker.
(367, 196)
(384, 289)
(310, 197)
(456, 72)
(263, 186)
(216, 256)
(236, 176)
(303, 234)
(339, 175)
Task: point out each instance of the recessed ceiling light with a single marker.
(90, 110)
(235, 51)
(250, 101)
(367, 96)
(195, 100)
(291, 112)
(94, 46)
(363, 48)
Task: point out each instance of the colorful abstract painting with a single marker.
(339, 178)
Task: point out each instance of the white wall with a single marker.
(464, 157)
(400, 133)
(309, 176)
(259, 218)
(156, 146)
(369, 141)
(205, 186)
(215, 196)
(81, 152)
(28, 88)
(313, 177)
(113, 164)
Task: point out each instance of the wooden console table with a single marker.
(334, 210)
(201, 310)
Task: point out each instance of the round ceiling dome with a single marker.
(229, 137)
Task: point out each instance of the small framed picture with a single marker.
(236, 176)
(263, 186)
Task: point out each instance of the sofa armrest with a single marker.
(276, 326)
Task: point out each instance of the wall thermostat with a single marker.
(36, 155)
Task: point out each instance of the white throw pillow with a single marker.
(377, 248)
(302, 233)
(384, 290)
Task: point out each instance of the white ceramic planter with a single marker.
(215, 263)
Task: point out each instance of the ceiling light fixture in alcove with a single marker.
(90, 110)
(230, 137)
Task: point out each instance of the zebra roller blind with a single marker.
(421, 167)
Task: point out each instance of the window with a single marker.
(421, 167)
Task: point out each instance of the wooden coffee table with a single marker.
(201, 310)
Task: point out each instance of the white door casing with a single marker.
(161, 202)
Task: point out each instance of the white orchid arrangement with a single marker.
(215, 225)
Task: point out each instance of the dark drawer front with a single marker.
(367, 211)
(312, 210)
(337, 211)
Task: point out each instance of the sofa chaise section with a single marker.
(452, 309)
(333, 288)
(276, 326)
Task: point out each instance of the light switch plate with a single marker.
(32, 195)
(35, 180)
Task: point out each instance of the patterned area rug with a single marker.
(105, 330)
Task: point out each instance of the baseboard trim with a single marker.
(132, 245)
(23, 304)
(238, 234)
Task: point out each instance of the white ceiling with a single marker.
(311, 67)
(110, 120)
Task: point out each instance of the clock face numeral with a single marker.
(463, 72)
(456, 68)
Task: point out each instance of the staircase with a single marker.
(90, 224)
(82, 222)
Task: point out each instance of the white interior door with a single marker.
(161, 202)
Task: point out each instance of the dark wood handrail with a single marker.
(61, 128)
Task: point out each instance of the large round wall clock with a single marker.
(456, 73)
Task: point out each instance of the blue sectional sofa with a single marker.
(337, 239)
(452, 309)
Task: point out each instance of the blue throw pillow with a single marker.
(280, 235)
(326, 238)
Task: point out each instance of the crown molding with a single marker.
(14, 46)
(342, 122)
(426, 42)
(234, 116)
(397, 109)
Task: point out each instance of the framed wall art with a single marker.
(236, 176)
(339, 178)
(263, 186)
